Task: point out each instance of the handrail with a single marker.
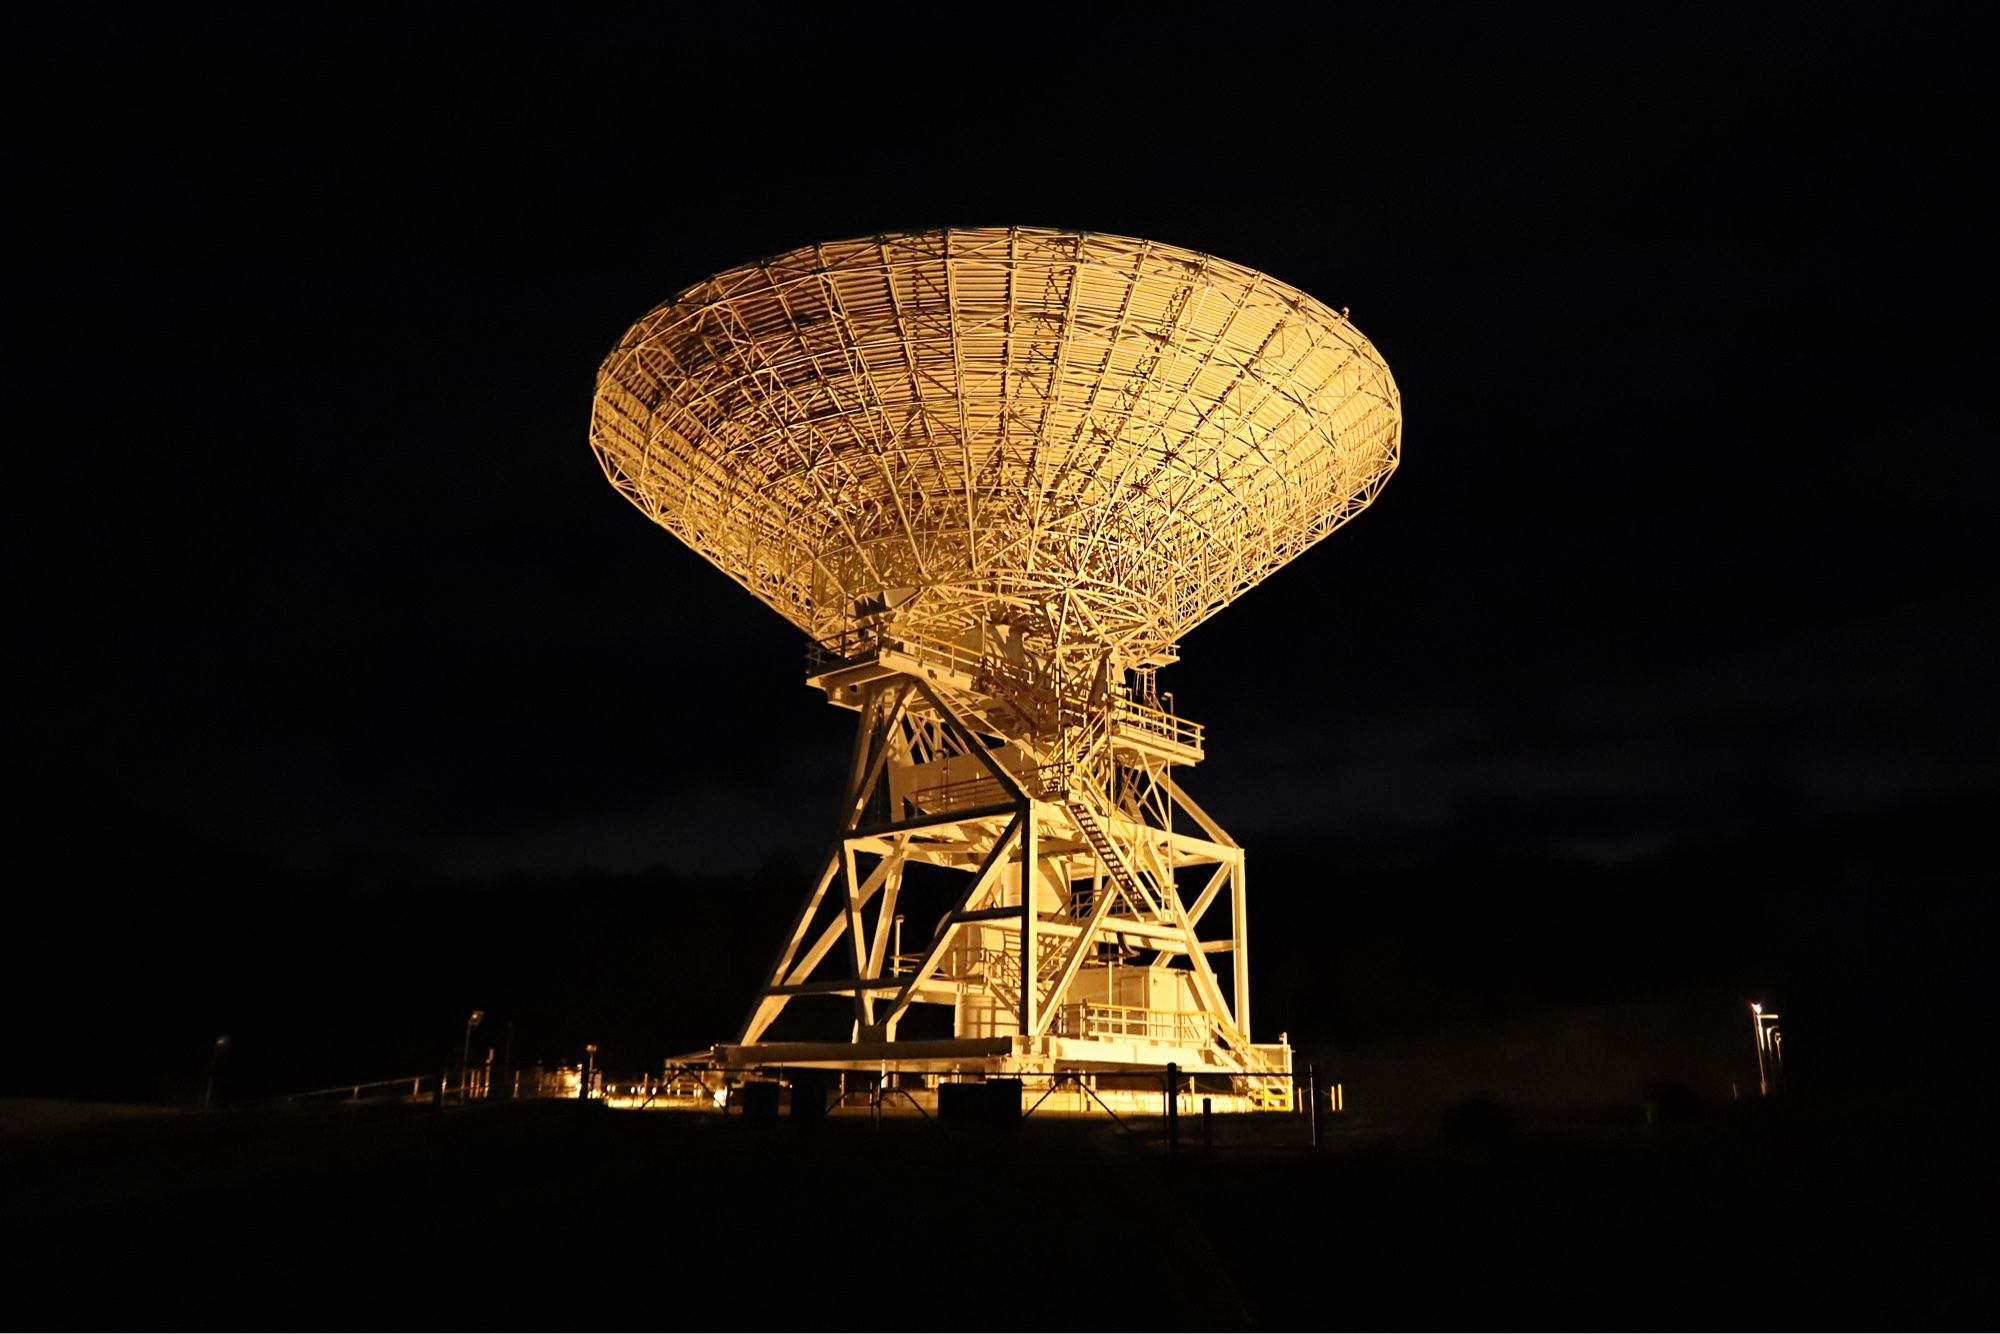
(1175, 728)
(354, 1090)
(961, 794)
(1035, 779)
(1090, 1019)
(1131, 880)
(875, 640)
(862, 641)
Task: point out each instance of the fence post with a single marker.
(1208, 1125)
(1312, 1097)
(1173, 1107)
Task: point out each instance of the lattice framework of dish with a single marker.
(1104, 438)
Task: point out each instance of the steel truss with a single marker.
(1074, 841)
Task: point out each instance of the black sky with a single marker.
(1689, 311)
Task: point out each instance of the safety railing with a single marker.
(1131, 1023)
(410, 1087)
(975, 965)
(959, 795)
(1019, 682)
(872, 641)
(1134, 716)
(458, 1084)
(983, 789)
(691, 1088)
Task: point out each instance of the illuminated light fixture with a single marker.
(465, 1050)
(1770, 1048)
(995, 474)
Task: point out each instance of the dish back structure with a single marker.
(995, 474)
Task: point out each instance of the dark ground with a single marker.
(561, 1215)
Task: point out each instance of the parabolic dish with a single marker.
(994, 425)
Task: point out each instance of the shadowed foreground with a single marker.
(563, 1214)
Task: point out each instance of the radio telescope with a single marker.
(995, 474)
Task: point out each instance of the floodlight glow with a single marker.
(995, 474)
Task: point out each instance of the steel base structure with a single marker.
(1067, 946)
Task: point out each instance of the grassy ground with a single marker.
(565, 1215)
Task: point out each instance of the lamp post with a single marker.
(1766, 1026)
(465, 1051)
(1757, 1033)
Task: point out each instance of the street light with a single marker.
(1758, 1022)
(465, 1052)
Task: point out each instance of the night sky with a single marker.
(318, 597)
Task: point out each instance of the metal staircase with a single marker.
(1138, 901)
